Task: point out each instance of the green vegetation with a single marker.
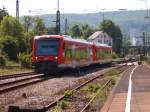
(93, 87)
(25, 59)
(2, 60)
(9, 46)
(3, 13)
(16, 38)
(13, 70)
(114, 55)
(81, 31)
(62, 104)
(114, 31)
(97, 90)
(68, 93)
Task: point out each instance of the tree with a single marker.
(28, 40)
(11, 26)
(117, 40)
(9, 46)
(75, 31)
(109, 27)
(27, 22)
(3, 13)
(51, 30)
(114, 31)
(39, 26)
(86, 31)
(126, 41)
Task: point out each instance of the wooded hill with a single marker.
(129, 21)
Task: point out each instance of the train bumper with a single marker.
(45, 66)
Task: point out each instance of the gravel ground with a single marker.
(41, 94)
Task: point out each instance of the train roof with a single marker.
(104, 45)
(48, 36)
(69, 38)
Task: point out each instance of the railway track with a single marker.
(13, 85)
(14, 108)
(15, 81)
(3, 77)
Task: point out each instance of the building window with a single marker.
(99, 41)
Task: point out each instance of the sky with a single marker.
(33, 7)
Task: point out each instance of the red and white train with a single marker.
(54, 52)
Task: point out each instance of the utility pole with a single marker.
(144, 43)
(58, 19)
(103, 14)
(17, 9)
(66, 25)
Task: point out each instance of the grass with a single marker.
(13, 67)
(61, 105)
(4, 71)
(102, 95)
(93, 89)
(12, 63)
(68, 93)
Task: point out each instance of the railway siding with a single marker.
(121, 100)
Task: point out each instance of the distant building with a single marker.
(101, 38)
(139, 42)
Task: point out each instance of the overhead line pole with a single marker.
(17, 9)
(103, 14)
(58, 19)
(66, 25)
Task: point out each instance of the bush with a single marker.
(9, 46)
(25, 59)
(114, 55)
(2, 60)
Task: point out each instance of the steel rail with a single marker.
(21, 84)
(19, 80)
(3, 77)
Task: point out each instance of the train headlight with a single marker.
(36, 58)
(56, 58)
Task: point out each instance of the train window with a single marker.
(67, 53)
(47, 47)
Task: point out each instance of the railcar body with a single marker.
(55, 52)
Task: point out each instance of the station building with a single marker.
(100, 37)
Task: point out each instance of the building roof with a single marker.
(96, 34)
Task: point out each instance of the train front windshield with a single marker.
(47, 47)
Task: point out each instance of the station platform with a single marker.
(132, 91)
